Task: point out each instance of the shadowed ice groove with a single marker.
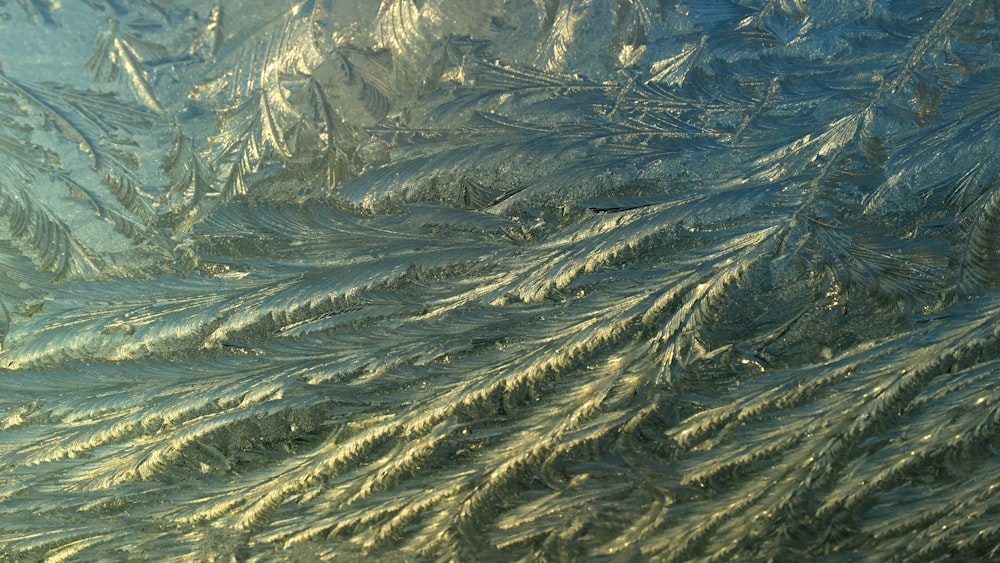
(499, 280)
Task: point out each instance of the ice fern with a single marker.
(493, 280)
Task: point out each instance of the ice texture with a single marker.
(499, 280)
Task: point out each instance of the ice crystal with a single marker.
(477, 280)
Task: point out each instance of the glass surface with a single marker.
(503, 280)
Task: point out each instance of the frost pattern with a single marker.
(552, 280)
